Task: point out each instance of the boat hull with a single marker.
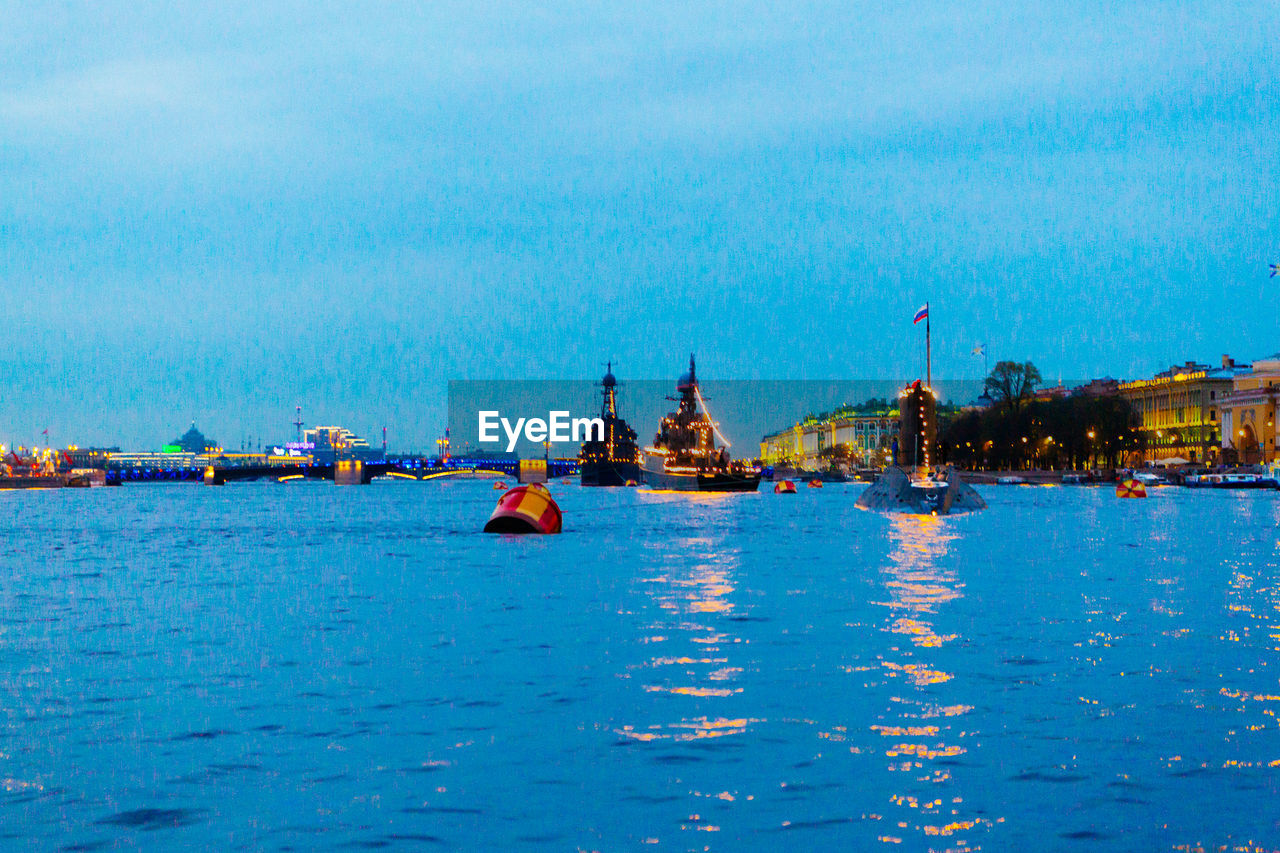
(610, 474)
(714, 481)
(895, 491)
(1252, 483)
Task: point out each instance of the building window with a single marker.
(1213, 414)
(1213, 395)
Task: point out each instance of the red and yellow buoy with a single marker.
(525, 509)
(786, 487)
(631, 483)
(815, 484)
(1131, 489)
(499, 485)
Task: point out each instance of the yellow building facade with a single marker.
(868, 438)
(1249, 414)
(1181, 409)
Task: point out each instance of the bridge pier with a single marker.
(349, 472)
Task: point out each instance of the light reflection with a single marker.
(1251, 604)
(919, 741)
(698, 728)
(691, 658)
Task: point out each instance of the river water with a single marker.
(300, 666)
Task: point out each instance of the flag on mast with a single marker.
(1275, 270)
(921, 314)
(980, 349)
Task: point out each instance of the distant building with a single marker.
(1055, 392)
(1249, 413)
(90, 457)
(867, 435)
(1181, 409)
(1106, 387)
(328, 442)
(193, 441)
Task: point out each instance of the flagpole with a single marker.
(928, 350)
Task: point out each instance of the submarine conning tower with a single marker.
(917, 427)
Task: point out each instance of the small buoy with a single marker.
(525, 509)
(815, 484)
(1131, 489)
(631, 483)
(786, 487)
(499, 485)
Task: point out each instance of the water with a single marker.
(306, 667)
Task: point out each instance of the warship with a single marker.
(684, 456)
(613, 460)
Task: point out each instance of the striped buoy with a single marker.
(631, 483)
(786, 487)
(499, 485)
(815, 484)
(525, 509)
(1131, 489)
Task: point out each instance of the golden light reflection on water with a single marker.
(917, 730)
(1252, 605)
(696, 598)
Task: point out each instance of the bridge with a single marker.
(400, 467)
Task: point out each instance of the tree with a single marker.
(1073, 432)
(1011, 384)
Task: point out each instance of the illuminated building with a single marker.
(90, 457)
(1181, 409)
(867, 435)
(1249, 413)
(328, 441)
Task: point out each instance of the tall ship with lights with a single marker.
(684, 456)
(613, 460)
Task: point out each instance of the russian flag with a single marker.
(921, 314)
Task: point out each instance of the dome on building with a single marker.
(193, 441)
(609, 381)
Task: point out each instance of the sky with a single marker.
(217, 212)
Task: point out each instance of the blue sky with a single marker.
(221, 214)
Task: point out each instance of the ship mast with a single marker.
(610, 384)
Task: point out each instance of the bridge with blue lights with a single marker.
(399, 467)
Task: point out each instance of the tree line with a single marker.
(1017, 431)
